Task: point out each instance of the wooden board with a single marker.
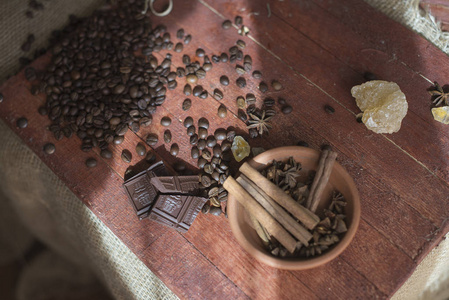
(318, 54)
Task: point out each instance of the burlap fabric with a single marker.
(34, 203)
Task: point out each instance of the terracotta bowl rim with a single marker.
(292, 264)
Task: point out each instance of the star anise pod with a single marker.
(260, 123)
(439, 94)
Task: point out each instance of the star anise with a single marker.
(439, 94)
(260, 123)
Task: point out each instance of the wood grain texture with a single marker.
(403, 183)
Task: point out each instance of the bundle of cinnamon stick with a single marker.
(273, 212)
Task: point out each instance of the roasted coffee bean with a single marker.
(126, 156)
(22, 123)
(180, 72)
(302, 144)
(118, 140)
(200, 52)
(172, 84)
(215, 176)
(329, 109)
(192, 78)
(276, 85)
(91, 162)
(224, 80)
(180, 33)
(263, 87)
(206, 154)
(269, 102)
(238, 21)
(369, 76)
(241, 44)
(286, 109)
(233, 50)
(239, 55)
(106, 153)
(150, 157)
(152, 139)
(226, 145)
(208, 168)
(201, 162)
(215, 161)
(242, 115)
(174, 149)
(217, 151)
(218, 95)
(167, 136)
(186, 104)
(206, 208)
(202, 133)
(165, 121)
(204, 95)
(187, 89)
(250, 99)
(224, 57)
(197, 90)
(191, 130)
(135, 127)
(207, 67)
(188, 121)
(194, 139)
(257, 74)
(49, 148)
(203, 122)
(241, 82)
(216, 211)
(146, 121)
(247, 66)
(211, 141)
(121, 129)
(240, 70)
(226, 24)
(230, 135)
(187, 39)
(215, 59)
(186, 59)
(201, 73)
(281, 101)
(241, 103)
(201, 144)
(195, 153)
(220, 134)
(222, 111)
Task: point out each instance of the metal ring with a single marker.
(164, 13)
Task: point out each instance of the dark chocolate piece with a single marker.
(141, 192)
(177, 184)
(176, 211)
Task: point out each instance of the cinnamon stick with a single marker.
(278, 213)
(325, 166)
(261, 215)
(308, 218)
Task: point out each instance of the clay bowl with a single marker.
(339, 180)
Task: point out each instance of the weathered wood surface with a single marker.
(318, 53)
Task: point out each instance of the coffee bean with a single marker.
(106, 153)
(281, 101)
(49, 148)
(204, 95)
(302, 144)
(217, 151)
(165, 121)
(174, 149)
(226, 24)
(201, 144)
(286, 109)
(194, 139)
(276, 85)
(224, 80)
(224, 58)
(241, 44)
(250, 99)
(126, 156)
(218, 95)
(121, 129)
(135, 127)
(269, 102)
(211, 141)
(91, 162)
(238, 20)
(369, 76)
(187, 39)
(329, 109)
(222, 111)
(226, 145)
(197, 90)
(220, 134)
(202, 133)
(191, 130)
(207, 67)
(118, 140)
(242, 115)
(152, 139)
(192, 78)
(247, 66)
(186, 104)
(257, 74)
(150, 157)
(206, 154)
(208, 168)
(240, 70)
(146, 121)
(203, 122)
(180, 33)
(230, 135)
(188, 121)
(201, 73)
(215, 59)
(195, 153)
(200, 52)
(201, 162)
(263, 87)
(241, 102)
(22, 123)
(187, 90)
